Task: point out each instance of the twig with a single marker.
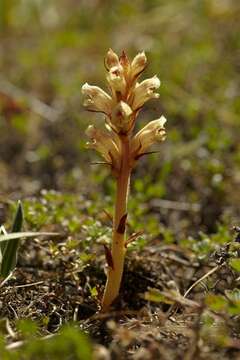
(6, 280)
(100, 316)
(9, 329)
(34, 104)
(212, 271)
(75, 313)
(20, 343)
(28, 285)
(14, 311)
(175, 205)
(176, 259)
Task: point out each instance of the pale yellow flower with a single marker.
(103, 142)
(111, 59)
(121, 117)
(96, 99)
(138, 65)
(151, 133)
(116, 79)
(145, 91)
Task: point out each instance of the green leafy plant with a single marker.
(70, 343)
(9, 243)
(120, 147)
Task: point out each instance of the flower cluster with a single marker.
(121, 107)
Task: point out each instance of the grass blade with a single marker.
(10, 258)
(9, 243)
(2, 244)
(18, 220)
(28, 234)
(10, 248)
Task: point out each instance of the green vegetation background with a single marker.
(48, 49)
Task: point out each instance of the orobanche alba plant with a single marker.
(120, 146)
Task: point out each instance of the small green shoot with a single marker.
(9, 243)
(10, 248)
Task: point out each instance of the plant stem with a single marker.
(114, 275)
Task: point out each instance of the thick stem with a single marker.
(114, 275)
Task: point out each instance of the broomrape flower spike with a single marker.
(119, 146)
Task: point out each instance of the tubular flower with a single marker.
(116, 79)
(111, 59)
(102, 142)
(145, 91)
(121, 117)
(96, 99)
(151, 133)
(138, 65)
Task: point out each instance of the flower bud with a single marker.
(138, 64)
(121, 116)
(124, 61)
(102, 142)
(96, 99)
(111, 59)
(116, 79)
(150, 134)
(145, 91)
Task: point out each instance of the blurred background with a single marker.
(48, 49)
